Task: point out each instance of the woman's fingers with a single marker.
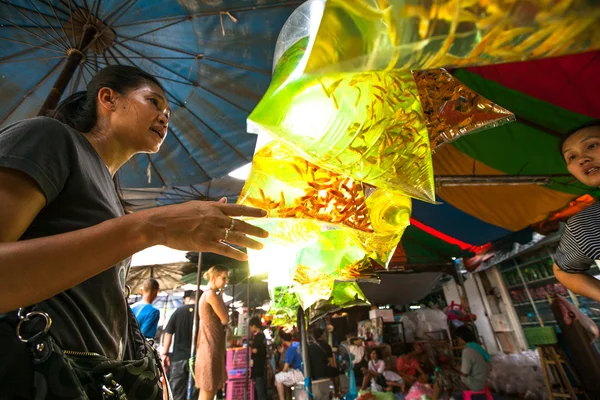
(240, 239)
(249, 229)
(228, 251)
(237, 210)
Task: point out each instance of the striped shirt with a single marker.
(580, 242)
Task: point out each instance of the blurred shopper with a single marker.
(179, 332)
(210, 370)
(146, 314)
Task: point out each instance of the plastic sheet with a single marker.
(343, 295)
(453, 110)
(320, 219)
(518, 375)
(284, 306)
(359, 35)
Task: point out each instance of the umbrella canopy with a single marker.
(213, 59)
(167, 275)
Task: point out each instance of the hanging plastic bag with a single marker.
(452, 110)
(343, 295)
(375, 35)
(368, 126)
(321, 219)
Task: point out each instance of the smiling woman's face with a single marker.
(581, 152)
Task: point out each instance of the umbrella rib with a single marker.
(215, 132)
(155, 170)
(71, 19)
(200, 56)
(67, 43)
(236, 65)
(12, 110)
(189, 154)
(34, 34)
(218, 12)
(57, 20)
(23, 8)
(122, 8)
(97, 12)
(96, 62)
(31, 59)
(125, 7)
(193, 83)
(158, 29)
(18, 53)
(58, 8)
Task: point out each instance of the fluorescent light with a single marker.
(242, 172)
(415, 307)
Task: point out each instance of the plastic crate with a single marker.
(539, 336)
(236, 373)
(236, 358)
(236, 389)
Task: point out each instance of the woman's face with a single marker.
(141, 119)
(221, 280)
(582, 155)
(373, 355)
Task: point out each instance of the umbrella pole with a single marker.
(76, 56)
(195, 327)
(305, 356)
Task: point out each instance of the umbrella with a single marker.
(167, 275)
(213, 59)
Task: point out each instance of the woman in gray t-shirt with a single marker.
(65, 240)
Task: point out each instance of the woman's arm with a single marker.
(580, 283)
(37, 269)
(217, 304)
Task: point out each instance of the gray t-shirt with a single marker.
(474, 365)
(91, 316)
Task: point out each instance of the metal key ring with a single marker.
(28, 318)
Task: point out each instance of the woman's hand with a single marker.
(203, 226)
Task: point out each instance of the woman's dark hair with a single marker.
(377, 352)
(79, 110)
(595, 122)
(465, 334)
(255, 321)
(283, 335)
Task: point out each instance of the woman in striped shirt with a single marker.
(579, 246)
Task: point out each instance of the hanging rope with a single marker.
(221, 19)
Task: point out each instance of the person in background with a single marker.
(409, 365)
(374, 370)
(259, 358)
(180, 325)
(291, 373)
(322, 362)
(579, 246)
(210, 370)
(471, 374)
(146, 314)
(357, 349)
